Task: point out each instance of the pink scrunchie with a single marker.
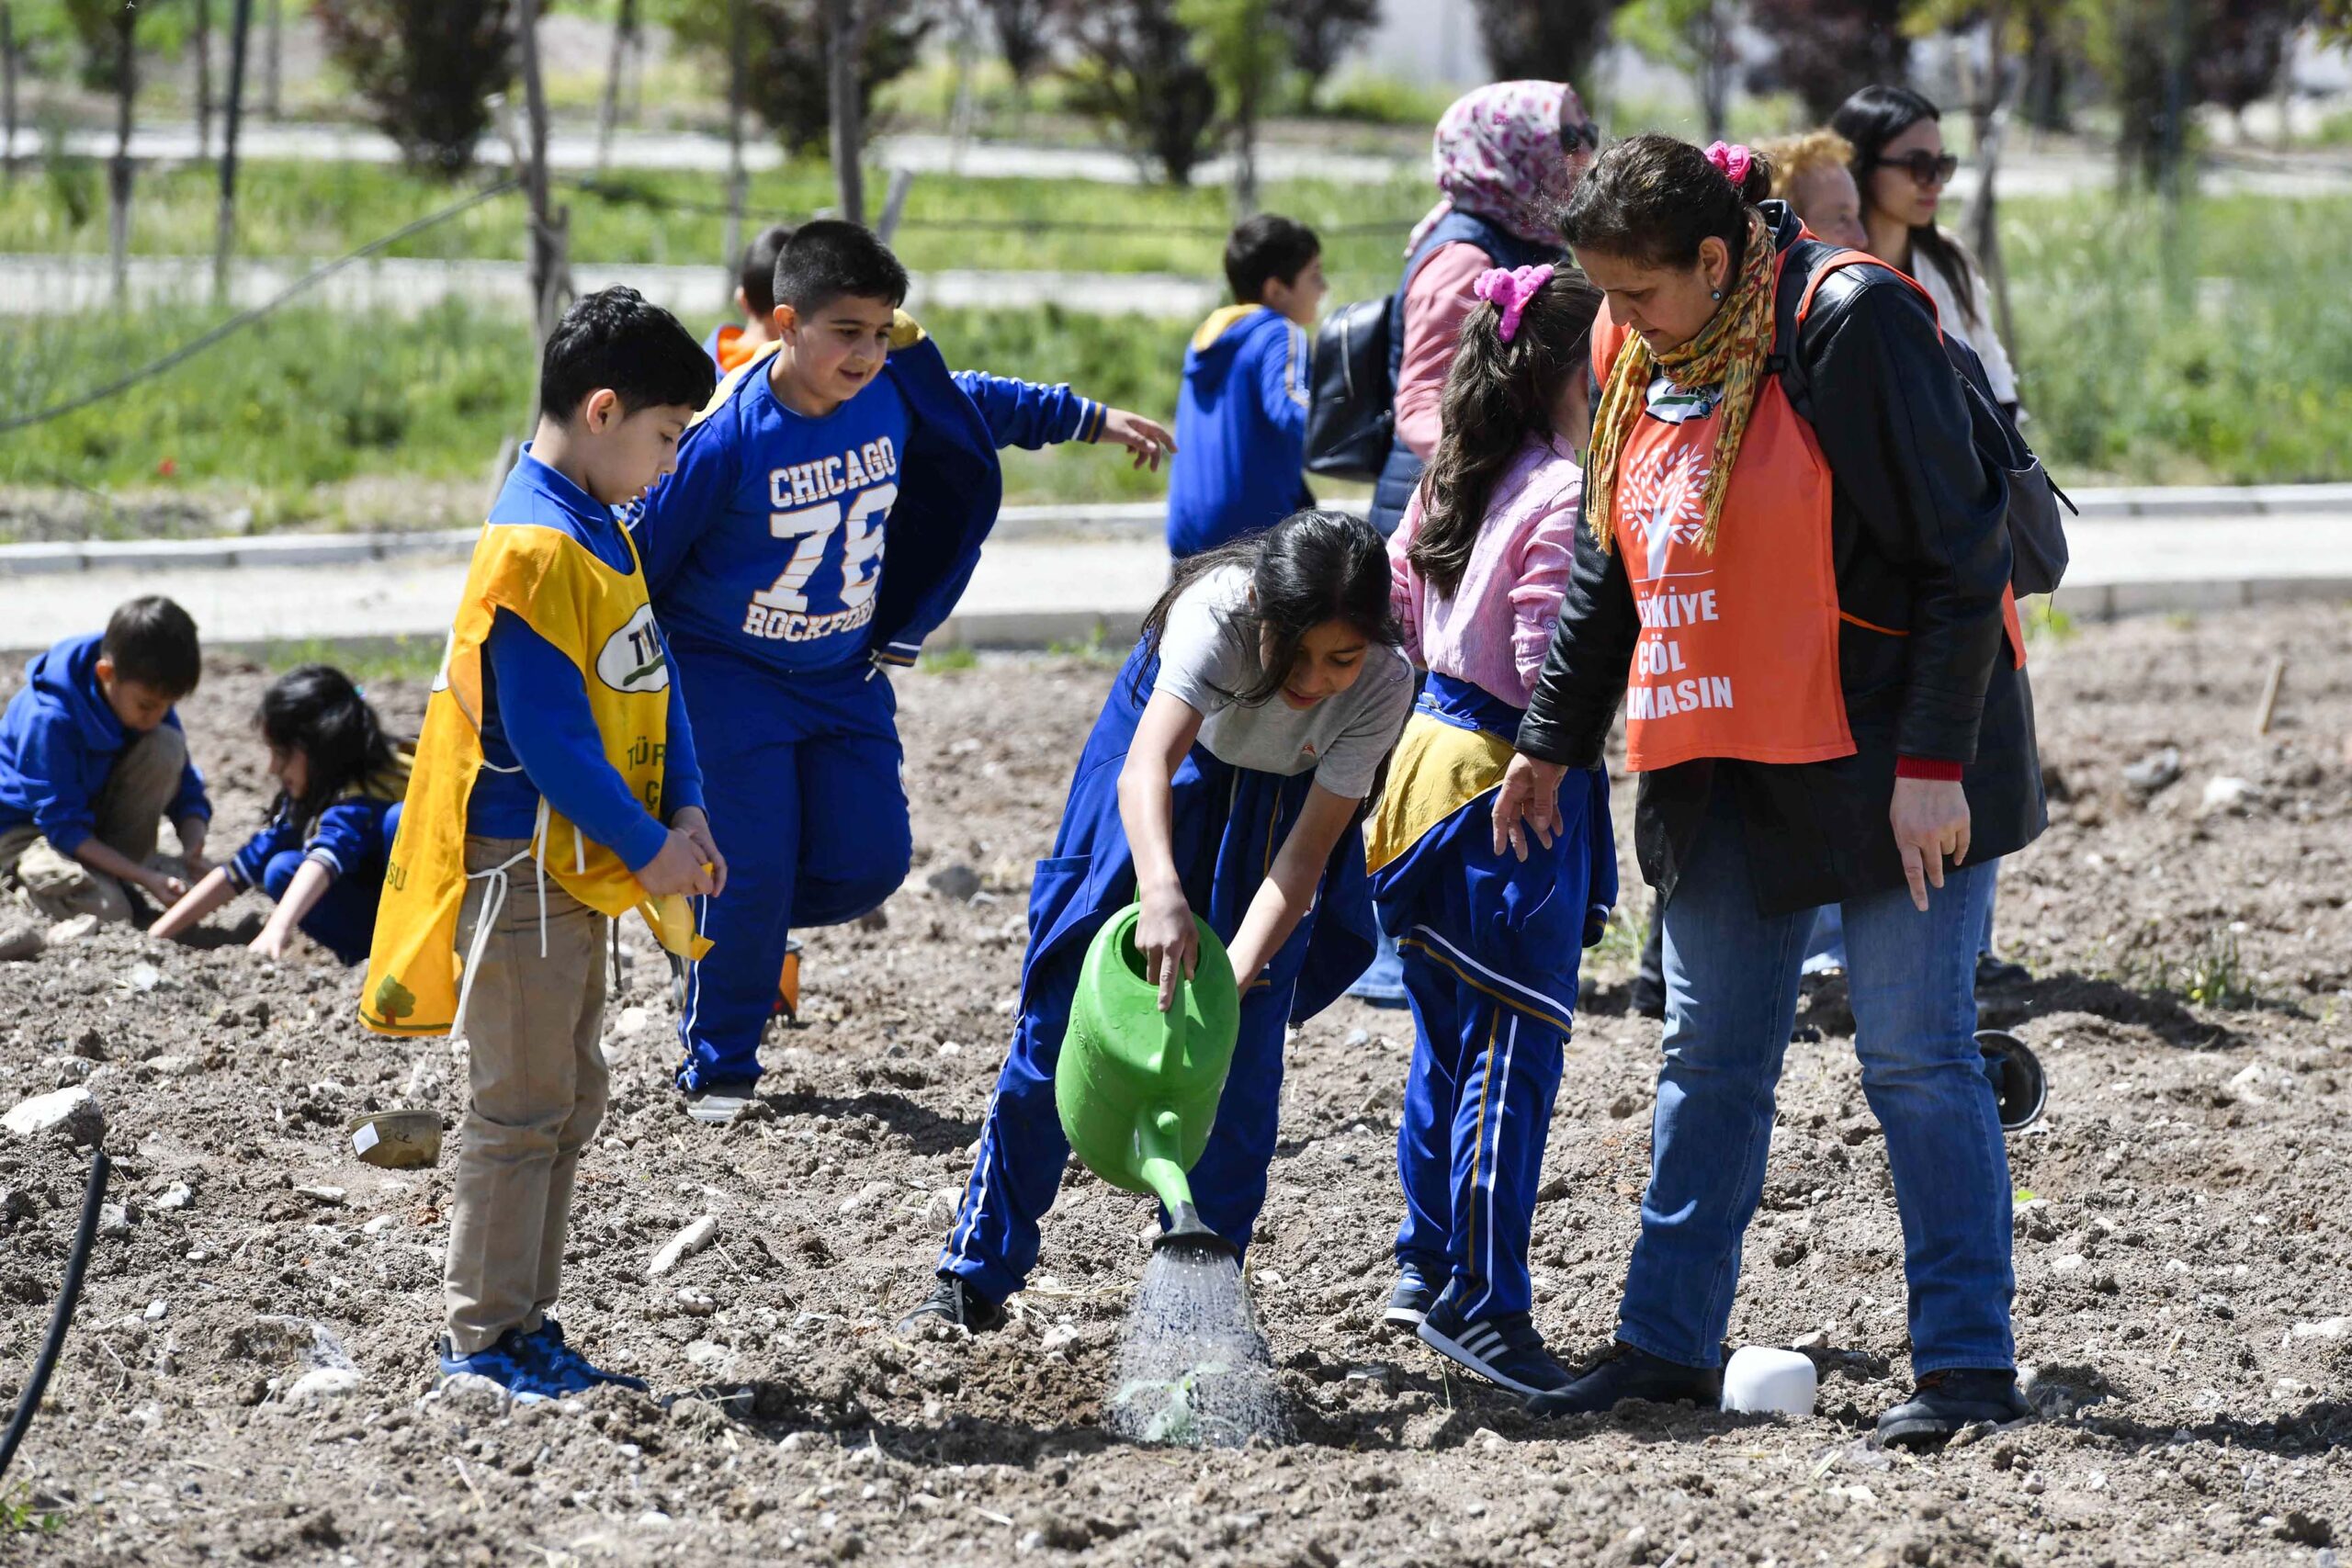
(1509, 290)
(1733, 159)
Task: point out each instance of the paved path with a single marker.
(2021, 174)
(1041, 582)
(51, 284)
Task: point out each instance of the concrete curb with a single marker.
(1125, 519)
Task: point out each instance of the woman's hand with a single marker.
(1528, 800)
(1930, 820)
(1169, 940)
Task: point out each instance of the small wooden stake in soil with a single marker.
(2270, 695)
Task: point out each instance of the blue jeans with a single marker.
(1731, 985)
(1828, 948)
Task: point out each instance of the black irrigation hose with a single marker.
(93, 1198)
(244, 319)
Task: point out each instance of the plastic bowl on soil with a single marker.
(397, 1140)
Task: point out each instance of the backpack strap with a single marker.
(1791, 307)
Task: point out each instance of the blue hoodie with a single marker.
(58, 742)
(1241, 429)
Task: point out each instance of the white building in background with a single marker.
(1430, 43)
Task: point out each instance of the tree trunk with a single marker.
(1989, 113)
(225, 238)
(608, 111)
(119, 171)
(550, 276)
(272, 57)
(732, 238)
(7, 93)
(841, 39)
(203, 77)
(1245, 147)
(1715, 63)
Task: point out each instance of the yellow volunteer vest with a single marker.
(604, 621)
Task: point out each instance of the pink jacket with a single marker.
(1497, 626)
(1435, 306)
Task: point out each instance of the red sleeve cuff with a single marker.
(1927, 768)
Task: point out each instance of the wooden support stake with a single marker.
(2270, 705)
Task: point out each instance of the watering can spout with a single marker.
(1186, 1232)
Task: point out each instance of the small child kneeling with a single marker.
(321, 857)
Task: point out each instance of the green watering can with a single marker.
(1138, 1087)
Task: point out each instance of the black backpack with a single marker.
(1352, 414)
(2037, 536)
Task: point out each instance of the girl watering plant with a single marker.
(1489, 940)
(1223, 778)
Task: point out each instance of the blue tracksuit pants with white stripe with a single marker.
(800, 781)
(1489, 945)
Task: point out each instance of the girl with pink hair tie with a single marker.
(1488, 942)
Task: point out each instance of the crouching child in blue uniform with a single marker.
(1224, 776)
(322, 855)
(1489, 936)
(844, 438)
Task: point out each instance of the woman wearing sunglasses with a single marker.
(1902, 169)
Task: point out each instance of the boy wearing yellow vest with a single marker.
(531, 822)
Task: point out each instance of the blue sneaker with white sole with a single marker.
(512, 1363)
(1505, 1350)
(1409, 1303)
(563, 1365)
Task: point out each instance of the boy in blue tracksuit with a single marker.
(93, 761)
(764, 553)
(1241, 416)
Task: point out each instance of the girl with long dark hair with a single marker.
(322, 855)
(1807, 622)
(1224, 776)
(1489, 941)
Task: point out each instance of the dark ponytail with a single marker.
(1496, 395)
(317, 711)
(1869, 120)
(1310, 568)
(1653, 199)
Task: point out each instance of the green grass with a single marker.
(383, 659)
(326, 210)
(19, 1515)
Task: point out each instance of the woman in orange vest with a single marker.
(1809, 626)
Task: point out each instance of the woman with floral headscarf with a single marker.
(1506, 155)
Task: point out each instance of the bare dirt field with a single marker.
(2184, 1276)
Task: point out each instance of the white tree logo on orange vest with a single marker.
(1662, 495)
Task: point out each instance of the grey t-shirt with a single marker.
(1340, 738)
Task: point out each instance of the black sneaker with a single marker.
(1505, 1350)
(953, 1303)
(1627, 1373)
(1993, 973)
(1943, 1403)
(1409, 1303)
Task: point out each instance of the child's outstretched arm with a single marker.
(217, 888)
(1171, 947)
(310, 883)
(1288, 892)
(1027, 414)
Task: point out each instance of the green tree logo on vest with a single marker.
(394, 1002)
(631, 659)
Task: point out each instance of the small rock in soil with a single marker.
(2226, 794)
(19, 940)
(114, 1221)
(323, 1384)
(72, 1114)
(684, 1244)
(65, 933)
(2154, 773)
(956, 882)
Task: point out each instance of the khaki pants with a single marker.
(129, 809)
(539, 1087)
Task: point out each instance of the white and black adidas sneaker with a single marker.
(1505, 1350)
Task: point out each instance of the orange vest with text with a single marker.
(1737, 654)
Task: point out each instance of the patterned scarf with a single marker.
(1729, 352)
(1497, 153)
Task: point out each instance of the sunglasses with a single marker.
(1583, 133)
(1924, 167)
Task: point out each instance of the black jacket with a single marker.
(1918, 541)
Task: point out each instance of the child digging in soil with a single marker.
(557, 736)
(766, 551)
(1223, 775)
(93, 761)
(1488, 940)
(321, 857)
